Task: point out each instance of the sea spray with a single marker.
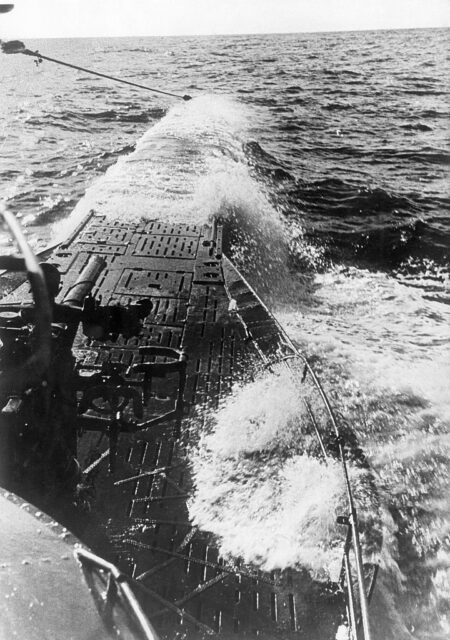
(261, 487)
(302, 94)
(160, 178)
(352, 315)
(390, 371)
(191, 168)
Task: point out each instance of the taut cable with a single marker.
(15, 46)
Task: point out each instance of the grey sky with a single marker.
(72, 18)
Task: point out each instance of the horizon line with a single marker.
(256, 33)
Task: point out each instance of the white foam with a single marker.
(386, 333)
(383, 347)
(165, 176)
(259, 491)
(272, 515)
(260, 415)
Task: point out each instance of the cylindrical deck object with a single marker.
(85, 282)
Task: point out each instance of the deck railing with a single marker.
(118, 582)
(358, 621)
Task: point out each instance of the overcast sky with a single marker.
(73, 18)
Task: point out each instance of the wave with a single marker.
(379, 332)
(424, 92)
(261, 487)
(433, 113)
(426, 155)
(344, 198)
(383, 348)
(337, 106)
(418, 126)
(188, 167)
(78, 121)
(350, 220)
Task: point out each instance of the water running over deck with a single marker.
(379, 340)
(263, 487)
(387, 371)
(280, 506)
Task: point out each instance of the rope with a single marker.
(16, 46)
(39, 56)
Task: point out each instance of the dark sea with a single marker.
(327, 158)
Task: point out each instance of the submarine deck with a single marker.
(202, 306)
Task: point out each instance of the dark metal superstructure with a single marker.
(151, 327)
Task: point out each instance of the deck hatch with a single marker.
(105, 235)
(173, 230)
(154, 283)
(161, 246)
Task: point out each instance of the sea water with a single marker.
(325, 155)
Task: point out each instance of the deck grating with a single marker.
(143, 507)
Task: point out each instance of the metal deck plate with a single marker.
(188, 590)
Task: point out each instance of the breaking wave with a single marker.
(262, 488)
(191, 167)
(390, 372)
(358, 173)
(164, 177)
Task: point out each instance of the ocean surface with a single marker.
(327, 158)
